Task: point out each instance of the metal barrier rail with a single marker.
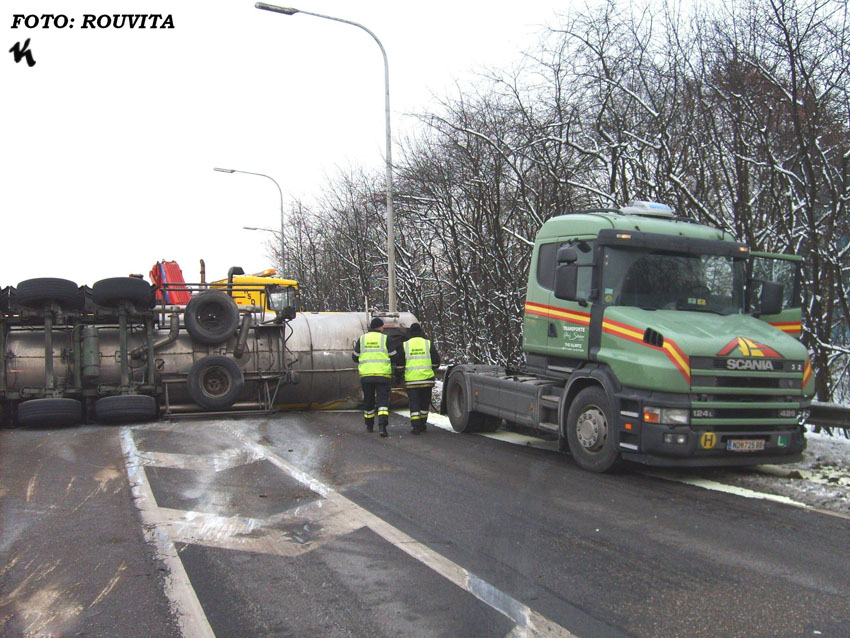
(828, 416)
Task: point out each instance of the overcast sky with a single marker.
(110, 140)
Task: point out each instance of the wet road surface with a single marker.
(303, 524)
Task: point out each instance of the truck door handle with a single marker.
(552, 331)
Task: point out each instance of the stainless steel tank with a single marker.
(316, 347)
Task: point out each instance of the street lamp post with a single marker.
(282, 237)
(390, 224)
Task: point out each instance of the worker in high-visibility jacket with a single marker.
(420, 360)
(374, 363)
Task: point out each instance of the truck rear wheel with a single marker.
(215, 382)
(51, 412)
(111, 292)
(125, 408)
(464, 420)
(591, 431)
(36, 293)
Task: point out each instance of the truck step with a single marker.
(550, 400)
(549, 427)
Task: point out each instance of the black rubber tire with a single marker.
(215, 382)
(52, 412)
(125, 408)
(489, 423)
(597, 449)
(111, 292)
(461, 419)
(211, 317)
(5, 297)
(35, 293)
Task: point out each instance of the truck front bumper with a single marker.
(701, 447)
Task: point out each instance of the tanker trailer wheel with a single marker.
(591, 431)
(50, 412)
(125, 408)
(111, 292)
(211, 317)
(215, 382)
(463, 420)
(5, 299)
(35, 293)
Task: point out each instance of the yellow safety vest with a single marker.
(417, 362)
(374, 359)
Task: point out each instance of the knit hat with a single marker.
(376, 323)
(415, 329)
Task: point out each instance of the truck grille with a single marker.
(751, 395)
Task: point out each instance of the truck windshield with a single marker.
(280, 297)
(657, 280)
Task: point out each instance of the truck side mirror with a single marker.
(566, 255)
(770, 299)
(566, 281)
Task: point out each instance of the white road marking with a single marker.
(184, 602)
(217, 462)
(441, 421)
(331, 515)
(529, 621)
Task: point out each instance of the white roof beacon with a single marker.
(648, 209)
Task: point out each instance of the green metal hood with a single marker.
(637, 360)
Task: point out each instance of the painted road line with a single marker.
(529, 623)
(441, 421)
(182, 598)
(218, 462)
(307, 529)
(744, 492)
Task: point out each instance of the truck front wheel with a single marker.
(591, 431)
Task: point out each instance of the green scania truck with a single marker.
(653, 339)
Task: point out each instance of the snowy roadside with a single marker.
(821, 479)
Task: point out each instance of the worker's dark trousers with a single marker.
(419, 398)
(376, 388)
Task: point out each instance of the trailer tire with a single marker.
(52, 412)
(591, 431)
(36, 293)
(464, 420)
(111, 292)
(211, 317)
(215, 382)
(5, 299)
(125, 408)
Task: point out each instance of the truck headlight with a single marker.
(669, 416)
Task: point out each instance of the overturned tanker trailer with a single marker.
(120, 352)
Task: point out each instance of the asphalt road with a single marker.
(304, 525)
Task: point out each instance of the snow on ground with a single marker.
(821, 479)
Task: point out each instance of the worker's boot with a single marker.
(370, 426)
(383, 429)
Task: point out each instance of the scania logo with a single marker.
(747, 348)
(749, 364)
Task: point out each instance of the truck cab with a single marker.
(652, 338)
(263, 290)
